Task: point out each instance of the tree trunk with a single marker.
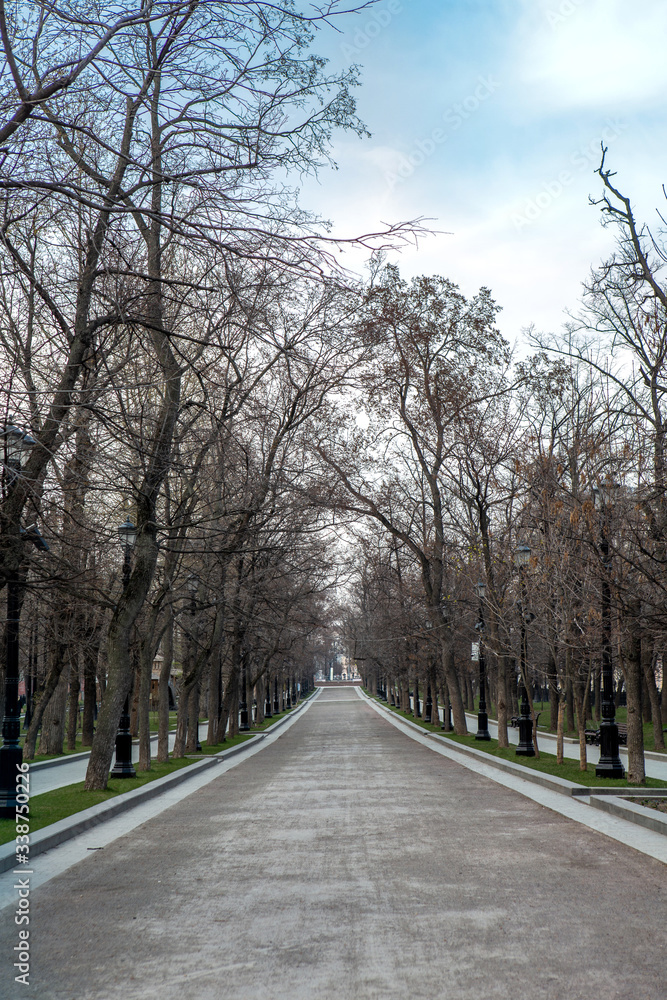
(449, 669)
(73, 703)
(146, 653)
(163, 690)
(633, 685)
(90, 655)
(552, 679)
(42, 699)
(503, 739)
(53, 723)
(569, 695)
(654, 695)
(214, 699)
(193, 717)
(560, 757)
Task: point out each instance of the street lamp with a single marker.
(193, 587)
(268, 714)
(123, 767)
(244, 726)
(525, 747)
(482, 717)
(15, 443)
(609, 764)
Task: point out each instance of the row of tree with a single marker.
(171, 321)
(181, 345)
(468, 457)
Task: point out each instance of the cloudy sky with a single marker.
(486, 117)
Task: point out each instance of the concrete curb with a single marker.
(41, 765)
(71, 826)
(641, 815)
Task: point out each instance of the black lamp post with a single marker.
(428, 705)
(123, 766)
(244, 726)
(525, 747)
(193, 587)
(276, 700)
(15, 442)
(482, 717)
(609, 764)
(268, 714)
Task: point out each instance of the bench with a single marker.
(593, 735)
(514, 721)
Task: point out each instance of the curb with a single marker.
(630, 811)
(71, 826)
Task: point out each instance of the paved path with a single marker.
(349, 862)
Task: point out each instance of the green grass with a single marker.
(61, 802)
(621, 717)
(569, 769)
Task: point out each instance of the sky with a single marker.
(486, 119)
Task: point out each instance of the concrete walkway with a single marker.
(349, 862)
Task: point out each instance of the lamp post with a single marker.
(244, 726)
(276, 701)
(193, 587)
(609, 764)
(15, 442)
(482, 717)
(428, 705)
(268, 714)
(123, 766)
(525, 747)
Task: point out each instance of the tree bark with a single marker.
(90, 657)
(73, 703)
(633, 684)
(163, 689)
(654, 695)
(53, 723)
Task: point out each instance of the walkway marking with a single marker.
(51, 863)
(642, 840)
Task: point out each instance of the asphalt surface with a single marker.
(349, 862)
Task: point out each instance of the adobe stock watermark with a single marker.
(582, 159)
(454, 118)
(380, 18)
(557, 15)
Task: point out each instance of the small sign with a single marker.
(475, 651)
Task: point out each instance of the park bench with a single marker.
(514, 721)
(593, 736)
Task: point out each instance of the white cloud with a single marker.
(591, 53)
